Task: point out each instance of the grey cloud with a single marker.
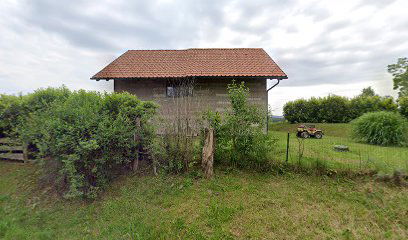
(316, 12)
(376, 3)
(357, 62)
(251, 9)
(292, 29)
(338, 25)
(330, 58)
(152, 26)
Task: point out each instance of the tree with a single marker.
(400, 73)
(403, 106)
(335, 109)
(368, 92)
(240, 140)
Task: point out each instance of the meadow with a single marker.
(233, 205)
(383, 159)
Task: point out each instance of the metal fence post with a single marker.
(287, 149)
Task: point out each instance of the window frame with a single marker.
(179, 89)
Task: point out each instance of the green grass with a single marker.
(360, 157)
(234, 205)
(330, 129)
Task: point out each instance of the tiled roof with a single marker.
(229, 62)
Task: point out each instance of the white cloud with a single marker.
(325, 47)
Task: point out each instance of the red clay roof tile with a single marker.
(192, 62)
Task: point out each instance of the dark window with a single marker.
(179, 90)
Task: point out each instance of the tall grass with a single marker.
(381, 128)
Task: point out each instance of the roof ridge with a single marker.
(224, 48)
(160, 63)
(186, 49)
(156, 50)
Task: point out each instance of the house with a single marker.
(201, 75)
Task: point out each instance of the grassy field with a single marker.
(342, 130)
(361, 156)
(234, 205)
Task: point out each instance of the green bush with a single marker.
(297, 111)
(403, 106)
(15, 109)
(42, 99)
(364, 104)
(11, 110)
(335, 109)
(240, 140)
(87, 138)
(331, 109)
(381, 128)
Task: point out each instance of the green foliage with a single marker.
(368, 92)
(336, 109)
(399, 71)
(240, 140)
(299, 110)
(175, 149)
(360, 105)
(381, 128)
(84, 138)
(15, 109)
(89, 136)
(172, 153)
(11, 108)
(403, 106)
(42, 99)
(331, 109)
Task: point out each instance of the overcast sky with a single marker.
(336, 47)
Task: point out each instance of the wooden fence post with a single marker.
(25, 152)
(208, 153)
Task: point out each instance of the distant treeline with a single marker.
(337, 109)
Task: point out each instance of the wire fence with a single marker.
(340, 154)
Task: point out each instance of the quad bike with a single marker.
(309, 130)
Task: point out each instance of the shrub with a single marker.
(41, 99)
(331, 109)
(336, 109)
(174, 153)
(364, 104)
(176, 150)
(296, 111)
(403, 106)
(87, 138)
(381, 128)
(240, 140)
(15, 109)
(11, 110)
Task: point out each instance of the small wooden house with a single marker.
(201, 75)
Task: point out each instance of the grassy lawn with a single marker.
(330, 129)
(234, 205)
(360, 156)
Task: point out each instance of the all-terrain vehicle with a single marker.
(309, 130)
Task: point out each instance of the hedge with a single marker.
(15, 109)
(403, 106)
(83, 139)
(335, 109)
